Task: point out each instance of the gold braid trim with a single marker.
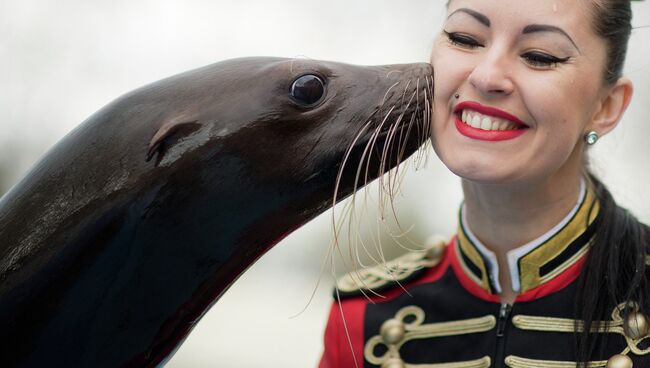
(551, 324)
(518, 362)
(396, 270)
(404, 332)
(478, 363)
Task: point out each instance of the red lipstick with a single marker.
(487, 135)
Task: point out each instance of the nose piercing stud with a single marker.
(591, 138)
(457, 96)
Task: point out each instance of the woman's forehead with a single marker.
(572, 16)
(571, 12)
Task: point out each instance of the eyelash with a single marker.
(461, 40)
(540, 59)
(535, 59)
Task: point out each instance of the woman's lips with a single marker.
(480, 122)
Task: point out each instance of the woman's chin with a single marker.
(485, 174)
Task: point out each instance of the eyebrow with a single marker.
(478, 16)
(533, 28)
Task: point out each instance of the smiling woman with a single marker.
(545, 269)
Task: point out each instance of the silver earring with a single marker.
(591, 138)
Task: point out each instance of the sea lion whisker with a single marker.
(421, 157)
(396, 132)
(346, 156)
(392, 71)
(352, 213)
(403, 137)
(399, 176)
(328, 258)
(387, 149)
(366, 250)
(399, 172)
(345, 328)
(356, 271)
(381, 155)
(371, 146)
(385, 98)
(393, 175)
(366, 156)
(354, 241)
(347, 215)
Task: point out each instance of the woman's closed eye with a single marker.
(542, 60)
(462, 40)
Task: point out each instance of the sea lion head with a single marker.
(295, 120)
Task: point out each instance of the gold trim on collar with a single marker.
(475, 257)
(395, 332)
(530, 264)
(538, 266)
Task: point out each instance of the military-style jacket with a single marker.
(440, 308)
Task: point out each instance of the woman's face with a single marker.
(529, 78)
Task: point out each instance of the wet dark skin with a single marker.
(123, 235)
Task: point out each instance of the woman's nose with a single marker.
(491, 76)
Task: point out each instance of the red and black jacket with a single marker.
(441, 308)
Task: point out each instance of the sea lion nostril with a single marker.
(308, 89)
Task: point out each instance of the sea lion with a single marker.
(122, 236)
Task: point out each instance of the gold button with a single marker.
(393, 363)
(619, 361)
(435, 246)
(635, 326)
(392, 331)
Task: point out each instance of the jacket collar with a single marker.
(537, 262)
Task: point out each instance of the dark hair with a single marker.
(612, 21)
(614, 272)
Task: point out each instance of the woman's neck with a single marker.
(504, 218)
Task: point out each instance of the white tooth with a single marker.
(486, 123)
(464, 116)
(476, 121)
(503, 125)
(495, 125)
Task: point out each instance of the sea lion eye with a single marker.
(307, 89)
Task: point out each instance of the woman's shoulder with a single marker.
(396, 273)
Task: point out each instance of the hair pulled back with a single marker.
(612, 21)
(615, 271)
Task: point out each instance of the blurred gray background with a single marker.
(60, 61)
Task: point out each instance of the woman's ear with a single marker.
(612, 106)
